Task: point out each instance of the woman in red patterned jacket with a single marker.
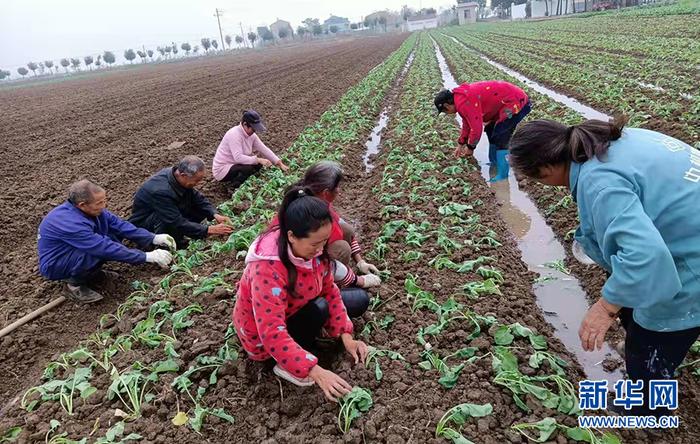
(287, 295)
(491, 106)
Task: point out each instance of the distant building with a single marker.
(342, 23)
(281, 25)
(419, 22)
(467, 11)
(392, 21)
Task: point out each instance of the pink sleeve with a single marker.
(338, 320)
(260, 147)
(234, 144)
(269, 301)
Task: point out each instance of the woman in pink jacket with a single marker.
(287, 295)
(490, 106)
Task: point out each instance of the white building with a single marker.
(419, 22)
(467, 11)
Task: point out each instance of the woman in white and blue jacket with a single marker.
(638, 197)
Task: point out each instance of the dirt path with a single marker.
(115, 128)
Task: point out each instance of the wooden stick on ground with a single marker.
(36, 313)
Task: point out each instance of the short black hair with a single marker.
(445, 96)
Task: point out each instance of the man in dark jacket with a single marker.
(79, 235)
(168, 203)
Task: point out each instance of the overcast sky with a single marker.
(37, 30)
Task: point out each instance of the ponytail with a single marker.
(545, 142)
(302, 214)
(321, 176)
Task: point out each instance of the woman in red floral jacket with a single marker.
(287, 295)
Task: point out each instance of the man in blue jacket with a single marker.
(169, 203)
(79, 235)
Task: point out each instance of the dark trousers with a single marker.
(499, 134)
(238, 174)
(86, 277)
(305, 325)
(653, 355)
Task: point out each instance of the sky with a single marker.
(37, 30)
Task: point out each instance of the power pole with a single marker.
(243, 36)
(221, 34)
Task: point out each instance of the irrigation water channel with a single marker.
(559, 295)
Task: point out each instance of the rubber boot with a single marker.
(502, 166)
(492, 153)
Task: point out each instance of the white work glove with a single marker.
(165, 240)
(160, 257)
(580, 255)
(369, 280)
(366, 268)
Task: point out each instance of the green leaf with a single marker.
(450, 376)
(539, 342)
(503, 335)
(504, 360)
(546, 428)
(221, 413)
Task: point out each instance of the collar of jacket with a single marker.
(172, 180)
(574, 171)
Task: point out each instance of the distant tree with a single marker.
(215, 44)
(228, 41)
(309, 23)
(333, 29)
(143, 56)
(382, 21)
(75, 64)
(98, 62)
(32, 67)
(283, 34)
(88, 61)
(109, 57)
(206, 44)
(130, 55)
(49, 64)
(161, 51)
(4, 74)
(239, 40)
(252, 37)
(150, 54)
(174, 48)
(301, 31)
(353, 26)
(41, 68)
(186, 47)
(168, 49)
(195, 49)
(317, 30)
(22, 71)
(65, 64)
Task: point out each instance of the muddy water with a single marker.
(375, 138)
(559, 295)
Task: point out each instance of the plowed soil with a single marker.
(115, 128)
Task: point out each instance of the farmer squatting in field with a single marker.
(287, 296)
(637, 193)
(241, 153)
(168, 203)
(324, 180)
(77, 237)
(498, 105)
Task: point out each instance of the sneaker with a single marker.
(83, 294)
(284, 374)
